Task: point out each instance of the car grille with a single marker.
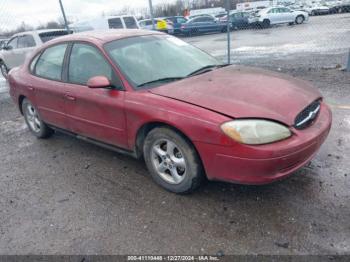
(308, 115)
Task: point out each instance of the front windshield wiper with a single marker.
(205, 69)
(160, 80)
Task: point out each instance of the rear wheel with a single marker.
(34, 122)
(4, 70)
(172, 161)
(299, 19)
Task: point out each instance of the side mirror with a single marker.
(98, 82)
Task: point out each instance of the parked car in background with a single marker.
(220, 15)
(20, 45)
(280, 15)
(340, 8)
(317, 9)
(202, 24)
(160, 24)
(201, 15)
(103, 23)
(238, 20)
(154, 96)
(177, 21)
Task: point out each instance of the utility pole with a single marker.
(228, 6)
(64, 16)
(151, 13)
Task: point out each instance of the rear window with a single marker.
(130, 22)
(47, 36)
(115, 23)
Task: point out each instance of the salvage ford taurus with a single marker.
(154, 96)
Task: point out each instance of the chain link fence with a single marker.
(298, 34)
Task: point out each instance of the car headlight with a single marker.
(255, 131)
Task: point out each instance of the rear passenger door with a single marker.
(46, 87)
(94, 113)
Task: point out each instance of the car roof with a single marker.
(39, 31)
(103, 36)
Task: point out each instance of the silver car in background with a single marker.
(280, 15)
(22, 44)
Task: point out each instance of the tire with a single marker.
(313, 13)
(172, 161)
(4, 70)
(36, 126)
(299, 19)
(266, 23)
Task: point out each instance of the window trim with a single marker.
(65, 71)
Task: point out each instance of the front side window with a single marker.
(26, 41)
(130, 22)
(148, 58)
(115, 23)
(86, 62)
(181, 20)
(208, 19)
(13, 43)
(50, 62)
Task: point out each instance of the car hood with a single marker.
(243, 92)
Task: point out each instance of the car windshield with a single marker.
(151, 60)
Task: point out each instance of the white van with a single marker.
(110, 22)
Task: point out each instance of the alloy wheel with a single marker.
(33, 118)
(168, 161)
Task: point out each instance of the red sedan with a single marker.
(154, 96)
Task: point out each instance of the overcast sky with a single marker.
(34, 12)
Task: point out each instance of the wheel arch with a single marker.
(20, 101)
(143, 131)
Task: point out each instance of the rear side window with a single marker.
(115, 23)
(13, 43)
(50, 62)
(130, 22)
(26, 41)
(47, 36)
(86, 62)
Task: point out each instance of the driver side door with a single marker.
(94, 113)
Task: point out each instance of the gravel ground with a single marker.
(64, 196)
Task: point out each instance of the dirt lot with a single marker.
(64, 196)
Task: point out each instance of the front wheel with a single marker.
(34, 122)
(172, 161)
(266, 23)
(299, 19)
(4, 70)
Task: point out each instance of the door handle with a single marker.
(30, 88)
(70, 98)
